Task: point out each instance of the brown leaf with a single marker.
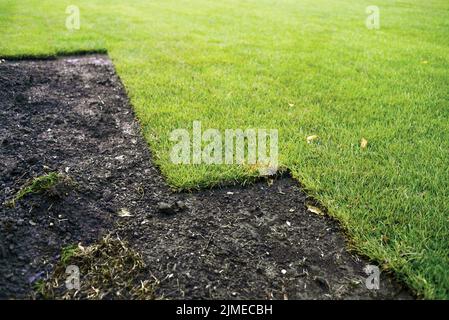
(315, 210)
(363, 143)
(124, 213)
(312, 138)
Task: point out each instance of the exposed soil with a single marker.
(71, 115)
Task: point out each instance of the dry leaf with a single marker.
(363, 143)
(124, 213)
(264, 169)
(268, 171)
(312, 138)
(315, 210)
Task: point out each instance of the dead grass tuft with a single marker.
(108, 269)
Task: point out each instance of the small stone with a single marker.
(283, 271)
(181, 205)
(165, 208)
(230, 193)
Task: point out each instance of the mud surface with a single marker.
(71, 115)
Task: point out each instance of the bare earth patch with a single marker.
(72, 116)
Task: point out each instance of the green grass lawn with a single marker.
(304, 67)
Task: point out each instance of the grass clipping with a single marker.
(53, 184)
(108, 269)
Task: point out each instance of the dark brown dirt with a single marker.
(71, 115)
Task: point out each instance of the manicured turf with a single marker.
(305, 67)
